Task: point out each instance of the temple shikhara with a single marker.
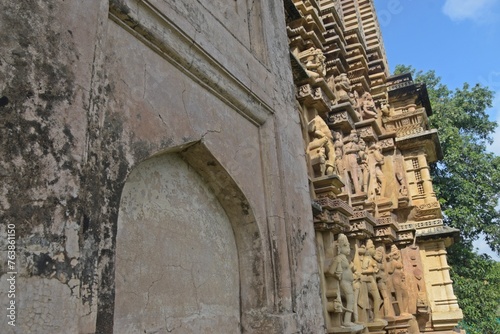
(380, 239)
(237, 166)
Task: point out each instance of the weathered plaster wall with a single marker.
(90, 93)
(177, 261)
(46, 60)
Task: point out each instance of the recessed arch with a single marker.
(188, 249)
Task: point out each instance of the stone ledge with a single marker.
(183, 52)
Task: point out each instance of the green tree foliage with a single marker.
(467, 183)
(476, 282)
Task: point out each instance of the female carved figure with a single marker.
(339, 151)
(363, 164)
(403, 191)
(381, 277)
(351, 149)
(398, 279)
(377, 178)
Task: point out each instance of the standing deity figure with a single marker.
(376, 184)
(395, 269)
(339, 151)
(366, 106)
(363, 164)
(359, 287)
(321, 149)
(369, 270)
(351, 150)
(342, 270)
(381, 277)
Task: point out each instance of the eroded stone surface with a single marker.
(177, 262)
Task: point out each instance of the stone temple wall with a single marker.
(158, 171)
(100, 94)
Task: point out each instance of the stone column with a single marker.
(430, 196)
(445, 310)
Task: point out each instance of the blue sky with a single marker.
(459, 39)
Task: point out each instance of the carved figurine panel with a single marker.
(341, 281)
(313, 60)
(369, 300)
(366, 106)
(343, 89)
(398, 281)
(376, 184)
(418, 301)
(321, 148)
(350, 162)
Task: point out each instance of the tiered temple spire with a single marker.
(379, 230)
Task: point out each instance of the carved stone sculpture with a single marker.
(341, 270)
(385, 108)
(343, 89)
(358, 259)
(321, 149)
(351, 149)
(377, 182)
(366, 106)
(314, 62)
(339, 152)
(363, 164)
(417, 293)
(381, 277)
(369, 270)
(403, 190)
(395, 269)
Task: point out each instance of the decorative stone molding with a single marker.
(182, 51)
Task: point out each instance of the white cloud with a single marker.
(477, 10)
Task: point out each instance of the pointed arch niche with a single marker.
(187, 248)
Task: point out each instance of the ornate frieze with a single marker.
(428, 211)
(336, 204)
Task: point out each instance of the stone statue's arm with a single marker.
(335, 269)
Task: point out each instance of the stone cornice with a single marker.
(173, 44)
